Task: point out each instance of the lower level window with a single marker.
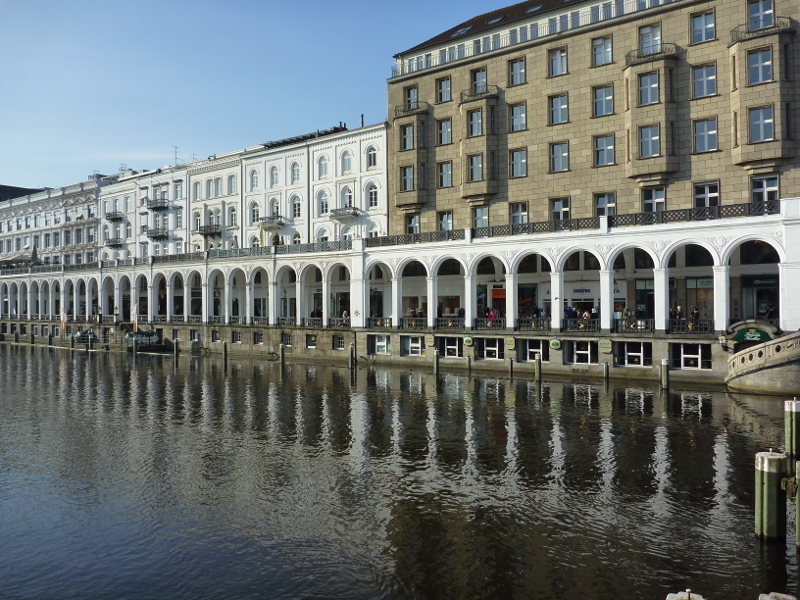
(379, 344)
(450, 346)
(633, 354)
(412, 345)
(215, 336)
(533, 348)
(286, 339)
(690, 356)
(236, 337)
(489, 348)
(311, 341)
(338, 342)
(258, 337)
(580, 353)
(194, 335)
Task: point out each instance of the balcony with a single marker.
(273, 223)
(339, 322)
(651, 53)
(315, 322)
(210, 230)
(479, 92)
(410, 108)
(344, 214)
(160, 233)
(379, 322)
(157, 204)
(115, 242)
(760, 27)
(486, 323)
(413, 323)
(533, 324)
(691, 326)
(581, 325)
(115, 215)
(450, 322)
(634, 325)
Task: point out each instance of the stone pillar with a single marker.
(397, 301)
(511, 301)
(117, 301)
(152, 293)
(226, 308)
(187, 299)
(30, 301)
(433, 301)
(606, 299)
(556, 299)
(76, 301)
(248, 300)
(170, 298)
(326, 300)
(661, 297)
(470, 291)
(272, 302)
(789, 291)
(300, 302)
(208, 298)
(722, 298)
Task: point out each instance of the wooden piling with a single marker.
(791, 413)
(770, 498)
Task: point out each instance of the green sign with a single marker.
(468, 341)
(605, 346)
(555, 344)
(751, 334)
(511, 343)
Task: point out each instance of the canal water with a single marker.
(150, 479)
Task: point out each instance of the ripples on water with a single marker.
(146, 479)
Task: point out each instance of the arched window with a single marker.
(218, 186)
(274, 210)
(273, 176)
(105, 207)
(296, 238)
(347, 197)
(254, 243)
(231, 184)
(254, 213)
(296, 210)
(105, 233)
(372, 157)
(322, 167)
(197, 190)
(372, 195)
(217, 217)
(232, 215)
(128, 230)
(372, 230)
(295, 172)
(116, 205)
(322, 198)
(210, 188)
(347, 160)
(253, 179)
(346, 235)
(156, 221)
(322, 235)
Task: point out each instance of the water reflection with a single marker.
(151, 479)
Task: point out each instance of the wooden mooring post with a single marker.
(770, 495)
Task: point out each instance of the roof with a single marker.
(305, 137)
(492, 20)
(8, 192)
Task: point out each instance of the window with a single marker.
(704, 81)
(347, 161)
(446, 220)
(286, 339)
(412, 345)
(603, 150)
(489, 349)
(559, 157)
(475, 167)
(411, 98)
(379, 344)
(705, 135)
(273, 176)
(516, 72)
(633, 354)
(517, 116)
(648, 88)
(295, 172)
(296, 210)
(444, 174)
(580, 353)
(338, 342)
(258, 337)
(653, 199)
(650, 39)
(372, 157)
(412, 223)
(178, 190)
(274, 208)
(450, 346)
(322, 199)
(231, 184)
(311, 340)
(605, 205)
(703, 27)
(761, 125)
(706, 194)
(197, 195)
(601, 51)
(559, 209)
(406, 137)
(406, 179)
(557, 62)
(478, 81)
(372, 195)
(475, 122)
(559, 109)
(518, 163)
(480, 216)
(210, 188)
(443, 90)
(764, 189)
(519, 213)
(322, 167)
(760, 13)
(232, 215)
(347, 197)
(444, 132)
(603, 103)
(254, 213)
(649, 143)
(759, 66)
(690, 356)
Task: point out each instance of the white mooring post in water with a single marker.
(770, 497)
(687, 595)
(791, 413)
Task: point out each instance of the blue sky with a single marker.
(90, 85)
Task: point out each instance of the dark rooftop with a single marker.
(307, 136)
(7, 192)
(492, 20)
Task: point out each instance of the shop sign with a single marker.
(581, 291)
(751, 335)
(605, 346)
(429, 341)
(498, 292)
(468, 341)
(511, 343)
(555, 344)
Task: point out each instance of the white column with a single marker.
(511, 301)
(30, 300)
(469, 301)
(76, 301)
(62, 301)
(606, 299)
(789, 291)
(226, 309)
(169, 301)
(248, 301)
(152, 296)
(556, 299)
(722, 298)
(358, 302)
(117, 301)
(300, 304)
(326, 301)
(433, 301)
(397, 301)
(187, 299)
(661, 297)
(208, 293)
(272, 302)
